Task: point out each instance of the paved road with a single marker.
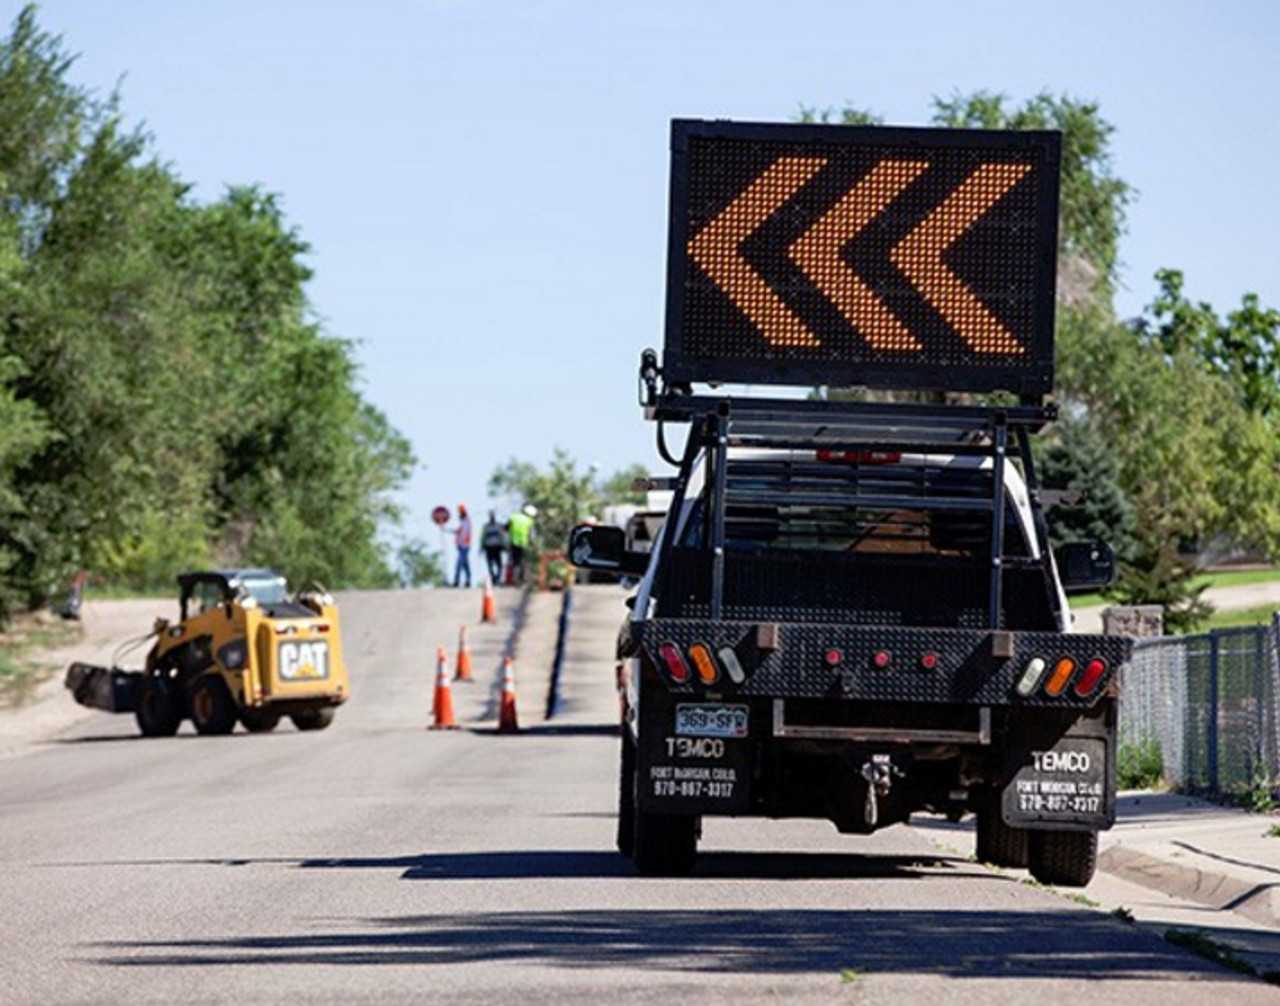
(383, 862)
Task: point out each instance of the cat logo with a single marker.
(304, 660)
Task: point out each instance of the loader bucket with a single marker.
(107, 688)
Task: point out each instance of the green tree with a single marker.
(564, 494)
(1243, 348)
(1093, 199)
(166, 399)
(419, 565)
(621, 486)
(1076, 460)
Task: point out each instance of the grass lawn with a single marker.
(19, 675)
(1225, 578)
(1240, 616)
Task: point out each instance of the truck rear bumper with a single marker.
(771, 757)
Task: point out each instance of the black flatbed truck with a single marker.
(853, 611)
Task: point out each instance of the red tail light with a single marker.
(676, 667)
(1093, 672)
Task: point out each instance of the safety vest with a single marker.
(518, 527)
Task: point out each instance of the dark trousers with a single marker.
(493, 557)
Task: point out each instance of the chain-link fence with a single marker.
(1210, 703)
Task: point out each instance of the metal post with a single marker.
(1211, 737)
(1259, 752)
(719, 455)
(999, 452)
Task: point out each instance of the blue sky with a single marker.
(484, 182)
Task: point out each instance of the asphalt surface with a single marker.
(382, 861)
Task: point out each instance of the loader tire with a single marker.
(259, 721)
(315, 719)
(159, 714)
(212, 710)
(998, 844)
(1063, 858)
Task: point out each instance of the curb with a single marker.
(1256, 901)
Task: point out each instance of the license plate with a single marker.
(711, 720)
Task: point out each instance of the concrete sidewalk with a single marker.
(1177, 862)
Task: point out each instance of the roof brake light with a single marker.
(860, 457)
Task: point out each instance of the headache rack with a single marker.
(853, 476)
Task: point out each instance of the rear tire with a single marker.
(998, 844)
(627, 796)
(315, 719)
(212, 710)
(664, 845)
(159, 713)
(259, 721)
(1063, 858)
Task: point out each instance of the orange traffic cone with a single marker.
(462, 672)
(488, 613)
(507, 722)
(442, 700)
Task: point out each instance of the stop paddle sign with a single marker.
(440, 515)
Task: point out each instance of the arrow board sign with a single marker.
(858, 255)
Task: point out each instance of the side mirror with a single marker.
(1085, 564)
(600, 546)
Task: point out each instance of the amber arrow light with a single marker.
(716, 248)
(919, 256)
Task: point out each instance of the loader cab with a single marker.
(205, 591)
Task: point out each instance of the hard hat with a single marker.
(530, 510)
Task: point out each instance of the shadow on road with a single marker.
(558, 863)
(550, 729)
(973, 944)
(577, 863)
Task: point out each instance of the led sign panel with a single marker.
(875, 256)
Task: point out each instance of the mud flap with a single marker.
(107, 688)
(694, 758)
(1063, 780)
